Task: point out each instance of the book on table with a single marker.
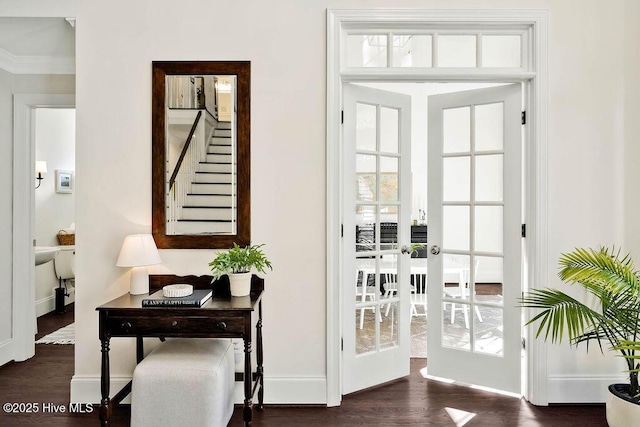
(196, 299)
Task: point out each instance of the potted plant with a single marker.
(613, 321)
(237, 263)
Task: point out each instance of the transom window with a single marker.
(438, 48)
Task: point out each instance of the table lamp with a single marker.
(138, 251)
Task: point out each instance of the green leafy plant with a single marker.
(414, 248)
(239, 260)
(614, 319)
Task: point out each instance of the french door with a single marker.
(474, 216)
(376, 236)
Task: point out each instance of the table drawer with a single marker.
(132, 325)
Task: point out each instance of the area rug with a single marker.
(66, 335)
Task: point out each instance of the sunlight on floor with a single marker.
(426, 375)
(459, 417)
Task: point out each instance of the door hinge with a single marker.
(341, 230)
(341, 344)
(342, 116)
(524, 117)
(524, 343)
(524, 230)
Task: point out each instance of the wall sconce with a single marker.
(138, 251)
(41, 167)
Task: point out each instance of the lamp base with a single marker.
(139, 281)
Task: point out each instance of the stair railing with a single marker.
(182, 176)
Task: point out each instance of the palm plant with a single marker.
(615, 319)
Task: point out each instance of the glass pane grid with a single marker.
(455, 49)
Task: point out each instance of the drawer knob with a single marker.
(222, 326)
(174, 323)
(126, 326)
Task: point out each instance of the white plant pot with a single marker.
(620, 412)
(240, 284)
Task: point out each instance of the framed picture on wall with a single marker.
(64, 181)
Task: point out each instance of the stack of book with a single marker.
(196, 299)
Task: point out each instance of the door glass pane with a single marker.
(455, 228)
(489, 279)
(454, 332)
(488, 180)
(488, 228)
(456, 179)
(412, 51)
(365, 127)
(456, 51)
(456, 130)
(388, 179)
(488, 327)
(389, 285)
(388, 228)
(366, 178)
(389, 326)
(365, 228)
(501, 51)
(365, 276)
(389, 130)
(367, 50)
(489, 127)
(456, 277)
(366, 329)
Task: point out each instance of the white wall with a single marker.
(55, 144)
(285, 40)
(632, 128)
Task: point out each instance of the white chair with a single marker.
(390, 288)
(365, 293)
(461, 291)
(418, 295)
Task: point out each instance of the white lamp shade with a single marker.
(138, 250)
(41, 166)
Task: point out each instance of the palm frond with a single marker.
(612, 279)
(600, 270)
(559, 312)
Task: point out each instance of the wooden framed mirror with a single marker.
(201, 154)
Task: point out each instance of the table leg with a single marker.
(259, 357)
(247, 415)
(139, 349)
(105, 403)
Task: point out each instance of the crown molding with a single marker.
(36, 64)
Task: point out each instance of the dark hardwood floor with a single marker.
(412, 401)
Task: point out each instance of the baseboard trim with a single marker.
(48, 304)
(580, 388)
(278, 390)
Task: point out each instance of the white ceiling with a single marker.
(37, 45)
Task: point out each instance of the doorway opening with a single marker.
(488, 277)
(421, 46)
(54, 134)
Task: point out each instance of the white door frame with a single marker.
(535, 151)
(24, 320)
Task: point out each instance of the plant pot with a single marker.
(621, 409)
(240, 284)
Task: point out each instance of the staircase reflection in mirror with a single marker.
(201, 155)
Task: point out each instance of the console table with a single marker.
(222, 316)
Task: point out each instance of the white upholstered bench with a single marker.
(184, 382)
